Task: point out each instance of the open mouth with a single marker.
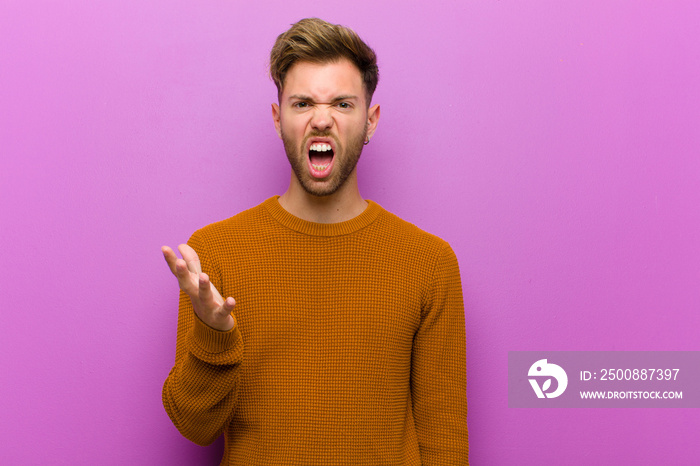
(320, 159)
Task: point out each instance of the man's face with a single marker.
(323, 121)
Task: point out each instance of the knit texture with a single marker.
(348, 348)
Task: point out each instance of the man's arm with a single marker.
(201, 390)
(438, 370)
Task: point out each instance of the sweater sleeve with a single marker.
(201, 391)
(438, 370)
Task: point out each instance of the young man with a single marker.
(345, 342)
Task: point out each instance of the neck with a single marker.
(344, 204)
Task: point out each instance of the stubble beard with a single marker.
(344, 162)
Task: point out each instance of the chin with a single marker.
(320, 189)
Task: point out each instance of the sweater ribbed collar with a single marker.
(277, 212)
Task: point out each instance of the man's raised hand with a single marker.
(211, 308)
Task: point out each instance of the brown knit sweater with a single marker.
(348, 347)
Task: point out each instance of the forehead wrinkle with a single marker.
(311, 99)
(323, 82)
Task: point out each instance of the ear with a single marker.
(276, 119)
(372, 120)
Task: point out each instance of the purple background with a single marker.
(554, 144)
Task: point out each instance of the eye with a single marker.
(301, 105)
(344, 105)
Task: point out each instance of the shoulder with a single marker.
(410, 237)
(241, 227)
(426, 260)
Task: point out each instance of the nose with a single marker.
(321, 120)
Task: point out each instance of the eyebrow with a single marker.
(309, 99)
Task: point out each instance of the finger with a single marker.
(184, 278)
(170, 258)
(191, 257)
(229, 304)
(204, 288)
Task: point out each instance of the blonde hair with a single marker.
(316, 41)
